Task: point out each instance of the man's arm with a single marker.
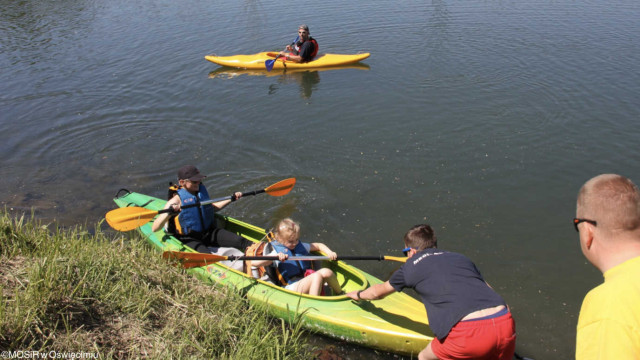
(378, 291)
(305, 50)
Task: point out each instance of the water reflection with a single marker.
(305, 78)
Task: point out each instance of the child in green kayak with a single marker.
(290, 273)
(196, 226)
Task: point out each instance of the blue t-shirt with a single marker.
(450, 285)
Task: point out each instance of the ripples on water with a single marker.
(483, 118)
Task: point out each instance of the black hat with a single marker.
(190, 172)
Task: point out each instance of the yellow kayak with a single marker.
(256, 61)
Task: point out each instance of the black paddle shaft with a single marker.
(207, 202)
(310, 257)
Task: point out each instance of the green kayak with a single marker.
(397, 323)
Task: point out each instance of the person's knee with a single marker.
(325, 273)
(316, 277)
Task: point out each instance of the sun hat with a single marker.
(190, 172)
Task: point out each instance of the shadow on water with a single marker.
(308, 80)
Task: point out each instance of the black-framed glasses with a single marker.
(577, 221)
(405, 251)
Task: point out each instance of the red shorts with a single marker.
(493, 338)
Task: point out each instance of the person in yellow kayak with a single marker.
(304, 49)
(195, 226)
(468, 318)
(296, 275)
(608, 223)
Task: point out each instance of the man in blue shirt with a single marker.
(468, 318)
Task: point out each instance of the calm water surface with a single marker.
(483, 118)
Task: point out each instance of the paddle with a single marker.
(269, 63)
(191, 259)
(129, 218)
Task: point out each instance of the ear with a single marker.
(588, 236)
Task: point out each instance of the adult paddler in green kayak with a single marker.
(195, 226)
(304, 49)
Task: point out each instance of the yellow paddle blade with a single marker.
(129, 218)
(396, 258)
(282, 187)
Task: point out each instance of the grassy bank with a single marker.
(72, 291)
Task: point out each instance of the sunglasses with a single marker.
(405, 251)
(577, 221)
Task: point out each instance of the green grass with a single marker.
(73, 291)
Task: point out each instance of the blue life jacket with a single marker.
(196, 219)
(291, 269)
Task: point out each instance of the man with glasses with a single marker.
(608, 222)
(469, 319)
(303, 50)
(195, 226)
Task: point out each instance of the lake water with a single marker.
(482, 118)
